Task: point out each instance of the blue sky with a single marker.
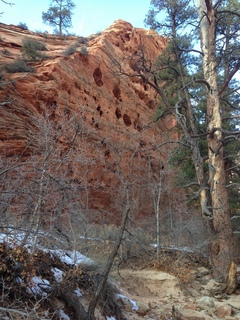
(90, 16)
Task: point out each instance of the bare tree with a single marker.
(156, 181)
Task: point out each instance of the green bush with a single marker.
(71, 50)
(84, 51)
(22, 25)
(82, 40)
(31, 49)
(18, 66)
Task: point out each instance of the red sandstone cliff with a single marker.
(116, 112)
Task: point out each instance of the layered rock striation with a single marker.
(90, 90)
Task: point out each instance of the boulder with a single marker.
(193, 315)
(223, 311)
(205, 302)
(142, 308)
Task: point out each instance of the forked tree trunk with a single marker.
(222, 245)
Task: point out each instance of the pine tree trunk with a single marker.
(222, 245)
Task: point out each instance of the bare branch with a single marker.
(230, 12)
(27, 315)
(204, 82)
(217, 4)
(231, 75)
(13, 167)
(9, 3)
(214, 130)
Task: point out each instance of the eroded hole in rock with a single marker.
(38, 106)
(67, 112)
(118, 113)
(97, 75)
(142, 143)
(100, 111)
(107, 153)
(51, 117)
(127, 36)
(117, 92)
(151, 104)
(54, 105)
(77, 85)
(137, 125)
(141, 95)
(127, 120)
(14, 45)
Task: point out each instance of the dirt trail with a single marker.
(156, 292)
(155, 289)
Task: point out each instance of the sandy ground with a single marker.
(158, 290)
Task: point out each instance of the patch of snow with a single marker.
(174, 248)
(63, 315)
(70, 257)
(78, 258)
(19, 280)
(78, 292)
(110, 318)
(11, 236)
(64, 257)
(14, 236)
(133, 303)
(37, 286)
(58, 274)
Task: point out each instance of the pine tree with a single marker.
(196, 80)
(59, 14)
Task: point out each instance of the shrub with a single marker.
(71, 50)
(71, 34)
(2, 80)
(82, 40)
(6, 52)
(32, 48)
(18, 66)
(84, 51)
(22, 25)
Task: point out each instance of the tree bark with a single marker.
(222, 246)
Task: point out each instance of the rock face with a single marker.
(116, 111)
